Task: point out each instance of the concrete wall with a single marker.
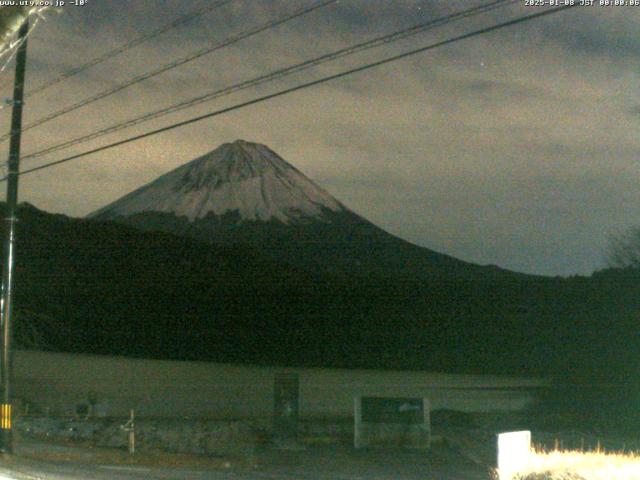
(58, 382)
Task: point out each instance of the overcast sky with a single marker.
(517, 148)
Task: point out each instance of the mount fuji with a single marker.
(238, 257)
(244, 193)
(241, 178)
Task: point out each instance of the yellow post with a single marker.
(5, 416)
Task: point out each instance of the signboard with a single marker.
(392, 410)
(514, 453)
(392, 421)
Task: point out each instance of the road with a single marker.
(316, 464)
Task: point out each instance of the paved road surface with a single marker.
(317, 464)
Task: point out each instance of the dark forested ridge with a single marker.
(100, 287)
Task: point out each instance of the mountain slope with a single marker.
(243, 193)
(321, 285)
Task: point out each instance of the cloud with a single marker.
(517, 148)
(597, 31)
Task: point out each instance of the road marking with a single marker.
(124, 467)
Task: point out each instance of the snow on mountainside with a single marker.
(243, 177)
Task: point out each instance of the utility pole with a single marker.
(6, 303)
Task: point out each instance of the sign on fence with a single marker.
(391, 421)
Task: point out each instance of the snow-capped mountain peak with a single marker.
(243, 177)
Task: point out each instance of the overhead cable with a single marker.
(165, 68)
(181, 20)
(306, 85)
(275, 75)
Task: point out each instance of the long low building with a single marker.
(59, 383)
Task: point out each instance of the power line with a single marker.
(278, 74)
(301, 87)
(181, 20)
(165, 68)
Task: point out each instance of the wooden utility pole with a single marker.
(6, 302)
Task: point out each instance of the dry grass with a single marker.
(578, 465)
